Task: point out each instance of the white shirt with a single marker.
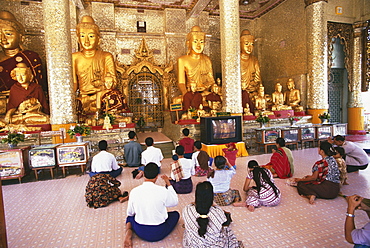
(194, 158)
(188, 169)
(221, 180)
(148, 203)
(152, 155)
(104, 161)
(355, 155)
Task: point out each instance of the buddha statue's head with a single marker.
(195, 40)
(22, 74)
(261, 90)
(88, 34)
(11, 32)
(246, 42)
(216, 89)
(278, 87)
(193, 87)
(290, 84)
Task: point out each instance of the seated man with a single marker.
(150, 155)
(104, 162)
(147, 215)
(132, 151)
(355, 157)
(360, 236)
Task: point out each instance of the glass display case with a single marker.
(43, 156)
(307, 133)
(290, 134)
(72, 154)
(267, 135)
(340, 129)
(14, 163)
(324, 131)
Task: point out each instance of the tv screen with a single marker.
(220, 130)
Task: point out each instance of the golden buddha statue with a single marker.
(278, 98)
(13, 52)
(247, 110)
(27, 103)
(201, 112)
(261, 102)
(195, 66)
(214, 96)
(192, 98)
(90, 65)
(292, 96)
(250, 69)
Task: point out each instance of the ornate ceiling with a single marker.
(249, 9)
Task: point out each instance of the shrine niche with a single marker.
(148, 87)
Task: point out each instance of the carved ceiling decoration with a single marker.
(249, 9)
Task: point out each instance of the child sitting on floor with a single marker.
(265, 193)
(220, 180)
(341, 164)
(230, 153)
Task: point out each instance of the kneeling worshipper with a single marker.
(181, 172)
(279, 163)
(147, 214)
(102, 189)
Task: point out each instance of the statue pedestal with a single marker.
(185, 122)
(248, 117)
(299, 113)
(284, 113)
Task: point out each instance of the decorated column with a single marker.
(317, 87)
(355, 107)
(230, 56)
(59, 62)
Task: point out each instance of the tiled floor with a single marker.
(53, 213)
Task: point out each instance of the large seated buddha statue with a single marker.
(250, 68)
(90, 65)
(195, 66)
(27, 103)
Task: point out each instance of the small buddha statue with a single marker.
(250, 68)
(215, 107)
(247, 110)
(195, 66)
(278, 98)
(261, 102)
(26, 91)
(214, 96)
(13, 52)
(107, 125)
(201, 112)
(90, 65)
(192, 98)
(110, 100)
(292, 96)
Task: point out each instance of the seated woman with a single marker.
(324, 181)
(204, 222)
(181, 172)
(103, 189)
(201, 160)
(279, 162)
(265, 193)
(220, 180)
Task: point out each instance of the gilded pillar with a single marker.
(317, 90)
(230, 56)
(355, 107)
(59, 61)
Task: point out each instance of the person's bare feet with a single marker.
(250, 208)
(139, 175)
(311, 199)
(345, 182)
(128, 238)
(122, 199)
(239, 204)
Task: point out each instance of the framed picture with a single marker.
(72, 154)
(14, 163)
(44, 156)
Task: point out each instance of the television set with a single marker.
(220, 130)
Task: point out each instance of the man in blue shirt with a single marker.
(133, 151)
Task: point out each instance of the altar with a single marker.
(216, 150)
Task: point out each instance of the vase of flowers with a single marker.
(13, 139)
(293, 120)
(262, 119)
(78, 131)
(324, 118)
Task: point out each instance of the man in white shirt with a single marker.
(105, 162)
(356, 158)
(150, 155)
(147, 214)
